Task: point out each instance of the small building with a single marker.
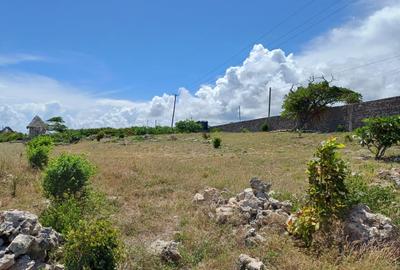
(37, 127)
(204, 125)
(6, 130)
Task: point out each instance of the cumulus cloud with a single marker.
(363, 54)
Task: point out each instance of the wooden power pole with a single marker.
(173, 112)
(240, 117)
(269, 103)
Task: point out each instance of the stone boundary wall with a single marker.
(348, 116)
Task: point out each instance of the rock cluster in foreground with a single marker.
(364, 227)
(245, 262)
(25, 243)
(166, 250)
(253, 206)
(255, 209)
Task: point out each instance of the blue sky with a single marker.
(117, 63)
(144, 48)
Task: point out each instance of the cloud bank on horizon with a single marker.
(363, 55)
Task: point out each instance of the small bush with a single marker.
(305, 224)
(67, 176)
(379, 134)
(100, 135)
(216, 142)
(327, 192)
(264, 127)
(244, 130)
(38, 150)
(63, 216)
(188, 126)
(94, 245)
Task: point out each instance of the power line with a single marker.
(245, 48)
(293, 30)
(315, 23)
(370, 63)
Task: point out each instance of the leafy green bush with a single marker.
(38, 150)
(67, 176)
(188, 126)
(94, 245)
(305, 224)
(100, 135)
(12, 136)
(327, 192)
(216, 142)
(327, 172)
(264, 127)
(244, 130)
(63, 216)
(379, 134)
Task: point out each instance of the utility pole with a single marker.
(173, 112)
(269, 103)
(240, 118)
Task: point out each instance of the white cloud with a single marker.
(12, 59)
(345, 52)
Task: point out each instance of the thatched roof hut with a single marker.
(37, 127)
(6, 130)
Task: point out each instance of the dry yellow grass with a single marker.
(154, 182)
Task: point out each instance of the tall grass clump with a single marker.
(38, 150)
(67, 176)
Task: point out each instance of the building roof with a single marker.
(6, 129)
(37, 122)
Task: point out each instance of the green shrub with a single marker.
(264, 127)
(67, 176)
(38, 150)
(216, 142)
(327, 172)
(244, 130)
(379, 134)
(305, 224)
(62, 216)
(94, 245)
(188, 126)
(100, 135)
(12, 136)
(327, 192)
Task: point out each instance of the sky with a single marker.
(118, 63)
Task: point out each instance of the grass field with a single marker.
(153, 182)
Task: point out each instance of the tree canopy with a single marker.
(306, 102)
(56, 123)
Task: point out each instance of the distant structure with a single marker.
(6, 130)
(37, 127)
(204, 125)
